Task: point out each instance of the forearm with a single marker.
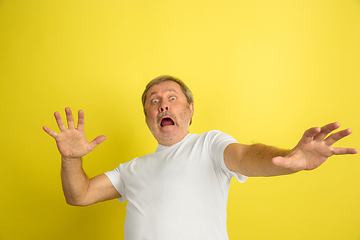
(74, 181)
(256, 161)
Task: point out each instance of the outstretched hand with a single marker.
(314, 148)
(72, 142)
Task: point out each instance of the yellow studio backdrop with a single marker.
(262, 71)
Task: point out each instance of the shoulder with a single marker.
(208, 134)
(217, 136)
(213, 139)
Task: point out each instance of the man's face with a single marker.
(167, 113)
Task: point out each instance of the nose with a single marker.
(164, 106)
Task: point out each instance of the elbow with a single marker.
(76, 203)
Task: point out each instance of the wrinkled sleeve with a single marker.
(115, 177)
(218, 142)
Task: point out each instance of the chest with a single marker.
(174, 173)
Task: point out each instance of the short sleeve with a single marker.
(218, 141)
(115, 177)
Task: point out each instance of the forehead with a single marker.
(163, 87)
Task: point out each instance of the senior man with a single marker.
(180, 191)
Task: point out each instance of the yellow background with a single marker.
(262, 71)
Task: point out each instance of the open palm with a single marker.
(72, 142)
(314, 148)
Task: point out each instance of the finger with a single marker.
(94, 143)
(342, 151)
(310, 134)
(50, 132)
(59, 121)
(333, 138)
(81, 120)
(70, 118)
(325, 130)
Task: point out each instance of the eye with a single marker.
(155, 101)
(172, 98)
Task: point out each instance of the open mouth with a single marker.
(166, 122)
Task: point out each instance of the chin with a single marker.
(167, 139)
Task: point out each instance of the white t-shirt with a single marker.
(178, 192)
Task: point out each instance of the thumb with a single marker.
(281, 162)
(94, 143)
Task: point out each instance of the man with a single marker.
(181, 190)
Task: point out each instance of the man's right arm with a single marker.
(78, 189)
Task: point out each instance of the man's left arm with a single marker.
(313, 149)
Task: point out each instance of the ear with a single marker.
(191, 107)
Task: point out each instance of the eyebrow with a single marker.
(169, 90)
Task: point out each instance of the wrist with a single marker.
(70, 159)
